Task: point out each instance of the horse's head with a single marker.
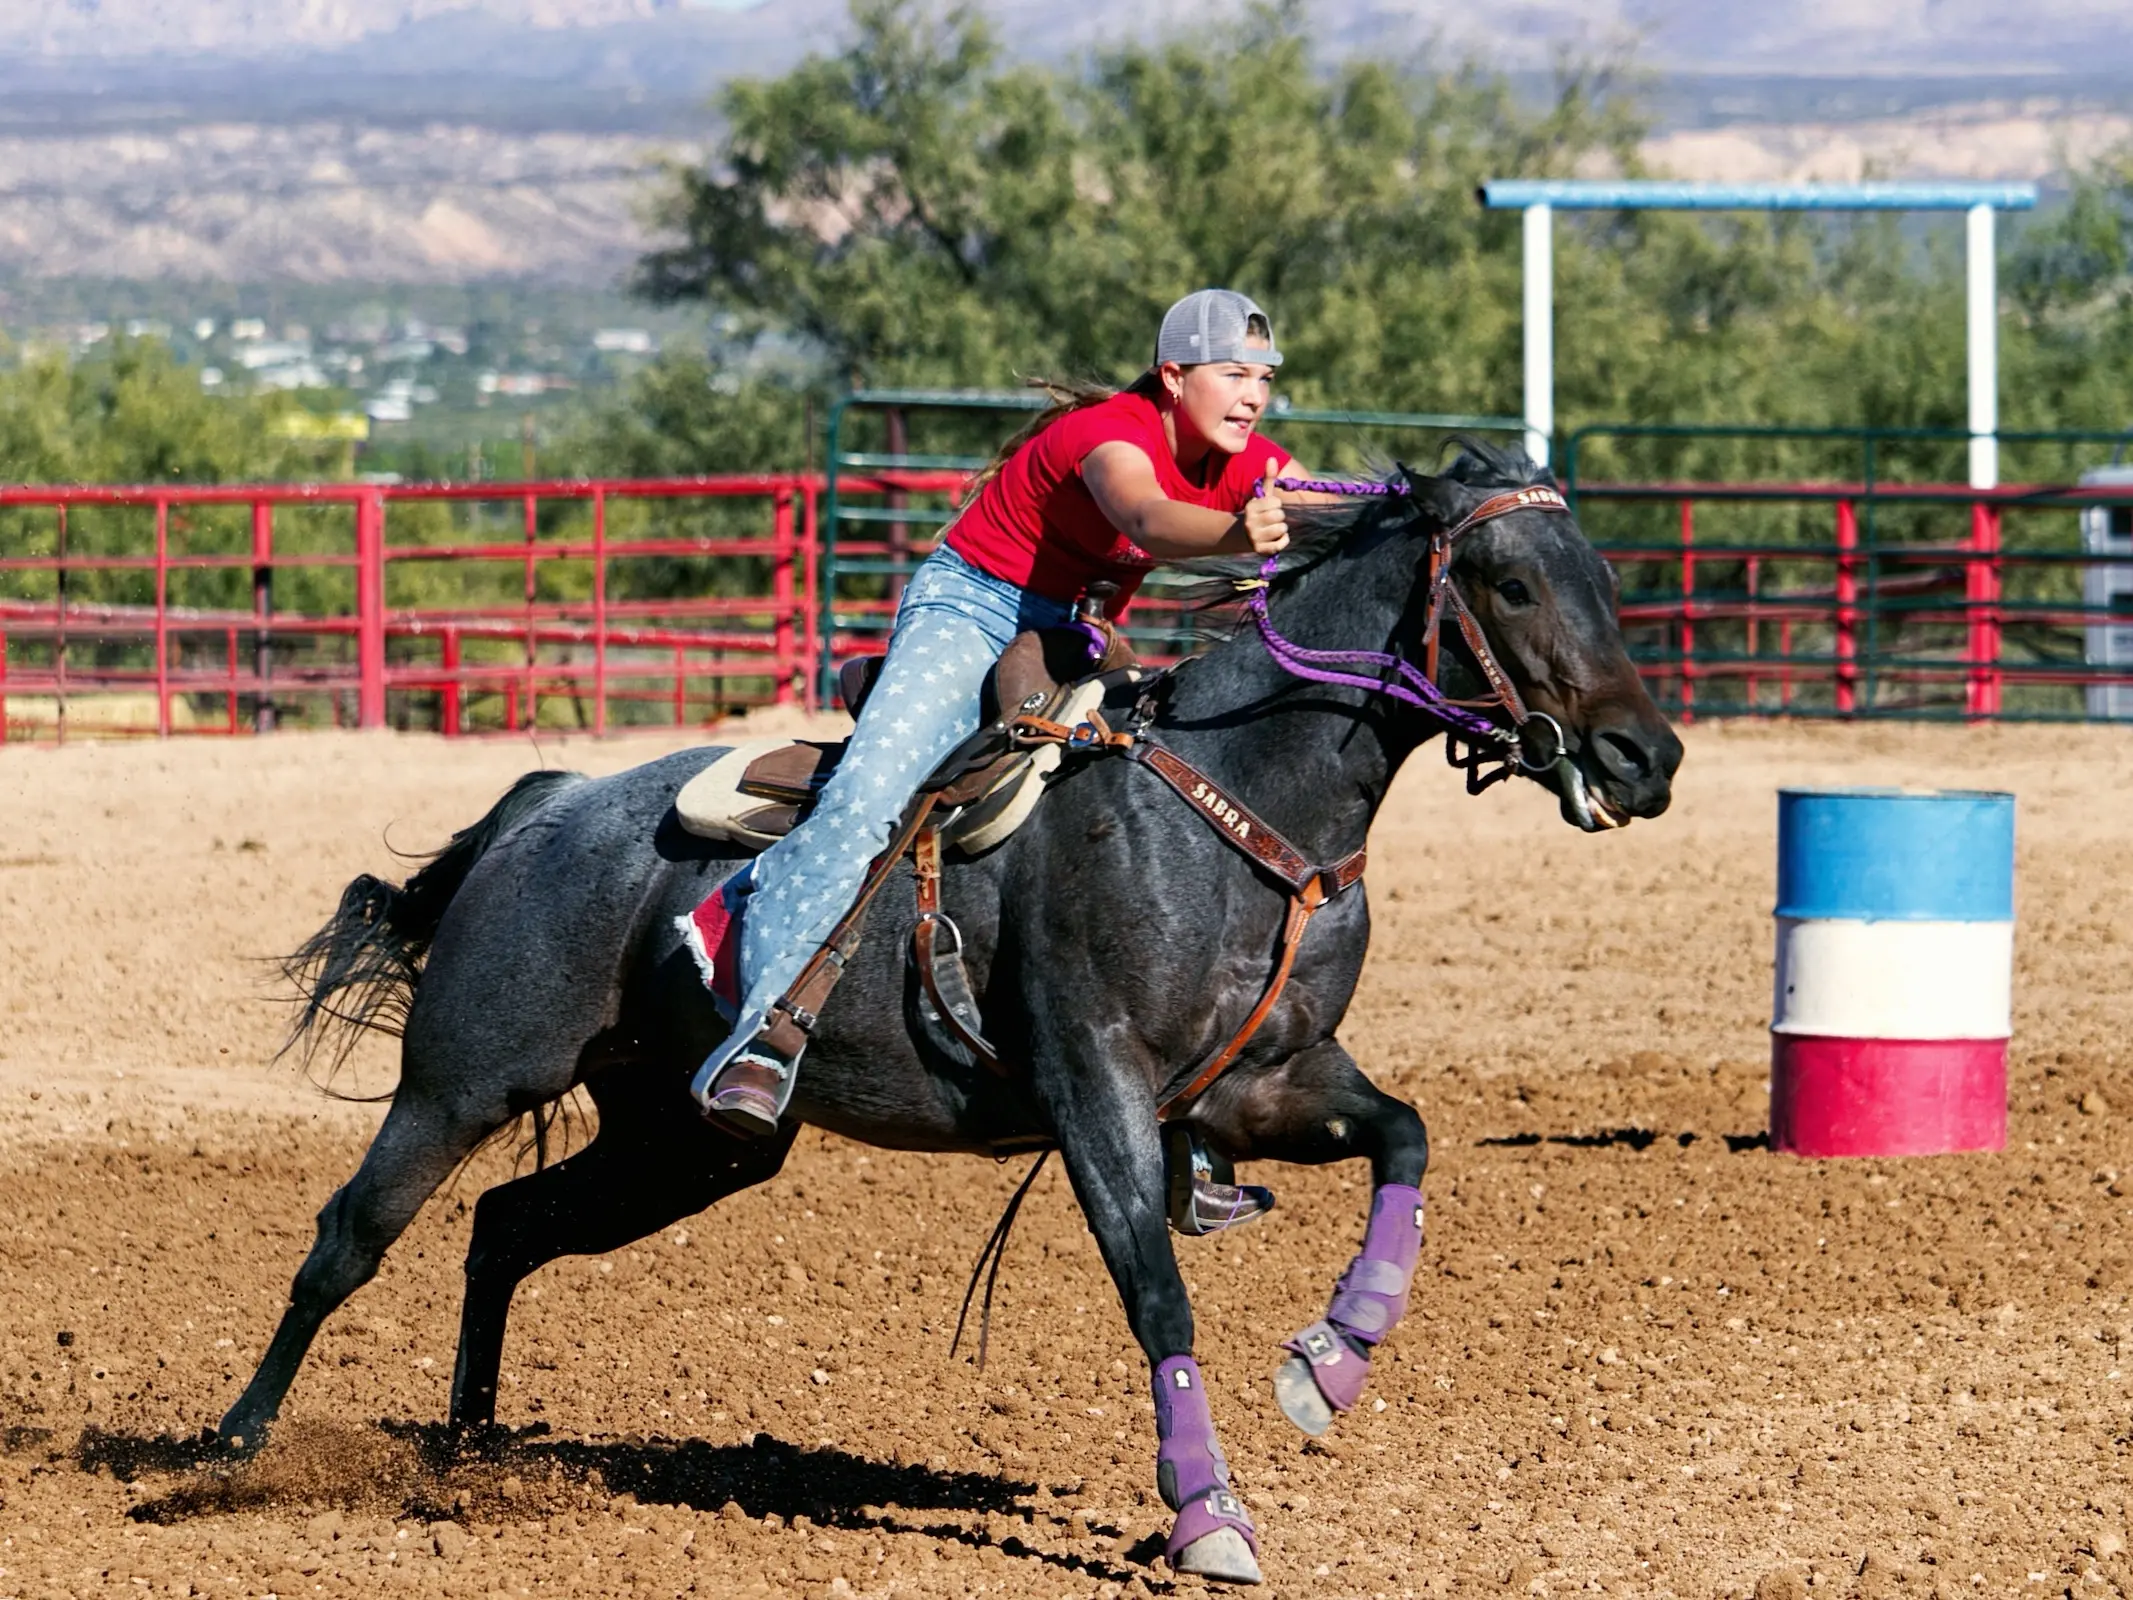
(1546, 606)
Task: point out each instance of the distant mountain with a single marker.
(267, 27)
(325, 202)
(453, 140)
(507, 61)
(1874, 37)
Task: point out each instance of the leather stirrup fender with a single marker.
(794, 1014)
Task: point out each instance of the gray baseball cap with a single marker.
(1212, 325)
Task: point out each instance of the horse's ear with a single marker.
(1442, 500)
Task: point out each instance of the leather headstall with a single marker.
(1444, 595)
(1445, 599)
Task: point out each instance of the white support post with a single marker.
(1984, 351)
(1540, 330)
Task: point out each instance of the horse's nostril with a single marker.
(1623, 756)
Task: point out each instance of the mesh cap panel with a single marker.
(1213, 325)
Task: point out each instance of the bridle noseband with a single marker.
(1393, 675)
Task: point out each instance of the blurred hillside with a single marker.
(1878, 37)
(465, 141)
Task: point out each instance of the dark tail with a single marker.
(361, 969)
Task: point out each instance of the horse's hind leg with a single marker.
(654, 1161)
(422, 1140)
(1315, 1108)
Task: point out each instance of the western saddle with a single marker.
(760, 791)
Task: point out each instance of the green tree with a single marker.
(132, 414)
(854, 201)
(683, 415)
(925, 214)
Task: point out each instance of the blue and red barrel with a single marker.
(1895, 972)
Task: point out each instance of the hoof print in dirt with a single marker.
(489, 1441)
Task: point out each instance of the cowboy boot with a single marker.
(745, 1084)
(1204, 1194)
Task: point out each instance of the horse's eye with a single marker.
(1514, 592)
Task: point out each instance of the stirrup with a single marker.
(1204, 1196)
(746, 1092)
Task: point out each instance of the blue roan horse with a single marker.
(1116, 944)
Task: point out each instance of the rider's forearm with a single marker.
(1173, 531)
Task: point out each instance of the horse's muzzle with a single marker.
(1622, 769)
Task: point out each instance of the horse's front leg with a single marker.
(1108, 1136)
(1317, 1107)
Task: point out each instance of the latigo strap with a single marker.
(793, 1014)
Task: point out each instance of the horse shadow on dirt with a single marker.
(427, 1473)
(1638, 1139)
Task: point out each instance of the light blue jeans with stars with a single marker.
(950, 628)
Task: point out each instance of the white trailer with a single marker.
(2107, 530)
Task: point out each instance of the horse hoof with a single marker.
(1299, 1397)
(1221, 1556)
(478, 1441)
(236, 1438)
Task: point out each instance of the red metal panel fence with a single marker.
(1922, 600)
(415, 608)
(490, 607)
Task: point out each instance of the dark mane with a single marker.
(1318, 532)
(1481, 465)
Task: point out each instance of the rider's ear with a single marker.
(1441, 500)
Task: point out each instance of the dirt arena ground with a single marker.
(1646, 1356)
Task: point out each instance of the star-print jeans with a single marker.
(950, 628)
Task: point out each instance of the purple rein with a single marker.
(1360, 669)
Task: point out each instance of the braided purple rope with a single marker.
(1407, 685)
(1325, 486)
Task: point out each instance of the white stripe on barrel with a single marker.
(1894, 980)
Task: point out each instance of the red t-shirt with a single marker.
(1036, 523)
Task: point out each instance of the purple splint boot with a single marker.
(1213, 1536)
(1330, 1360)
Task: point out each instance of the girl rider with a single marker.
(1095, 491)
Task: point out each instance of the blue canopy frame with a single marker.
(1540, 198)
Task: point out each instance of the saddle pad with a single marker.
(712, 805)
(715, 804)
(712, 933)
